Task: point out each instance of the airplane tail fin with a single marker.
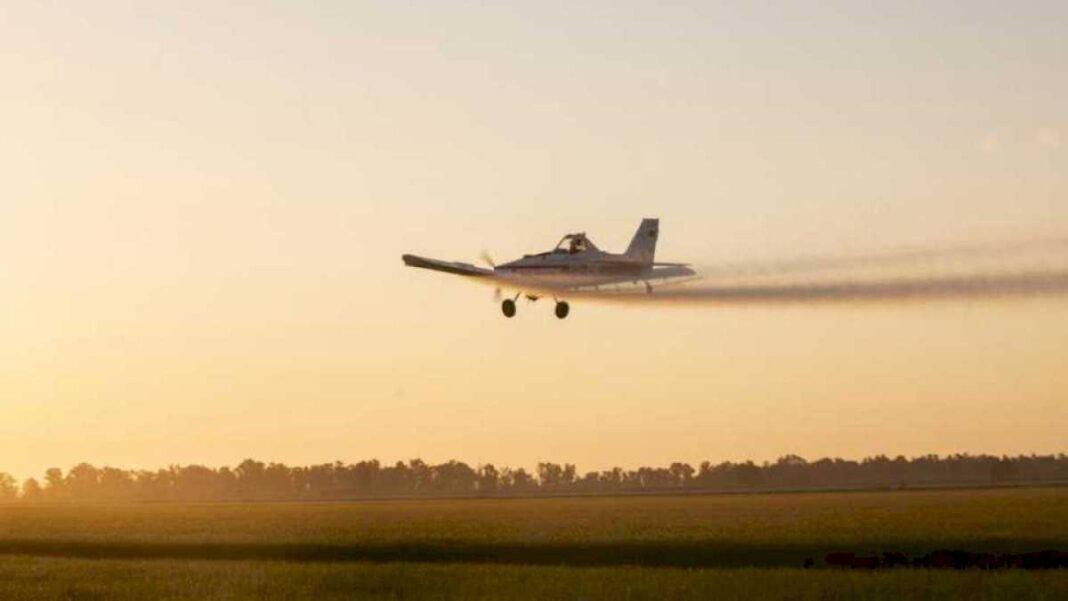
(643, 246)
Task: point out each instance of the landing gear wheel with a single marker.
(508, 307)
(562, 309)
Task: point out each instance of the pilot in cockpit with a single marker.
(572, 244)
(578, 244)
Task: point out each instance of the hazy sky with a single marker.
(203, 207)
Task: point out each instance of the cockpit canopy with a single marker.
(574, 243)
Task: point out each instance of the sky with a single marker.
(203, 208)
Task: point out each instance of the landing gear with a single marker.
(562, 309)
(508, 307)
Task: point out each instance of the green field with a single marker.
(596, 548)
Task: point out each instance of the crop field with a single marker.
(592, 548)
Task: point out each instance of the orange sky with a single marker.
(204, 209)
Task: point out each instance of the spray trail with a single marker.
(925, 288)
(1037, 249)
(1030, 268)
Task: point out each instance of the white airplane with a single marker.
(574, 265)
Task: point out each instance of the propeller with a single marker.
(488, 260)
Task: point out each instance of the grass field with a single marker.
(78, 579)
(597, 548)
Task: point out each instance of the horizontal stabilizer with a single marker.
(670, 271)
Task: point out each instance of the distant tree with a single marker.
(488, 478)
(422, 478)
(655, 478)
(31, 490)
(250, 478)
(115, 484)
(255, 480)
(553, 476)
(570, 474)
(590, 482)
(195, 482)
(519, 480)
(82, 481)
(396, 480)
(454, 477)
(320, 481)
(681, 473)
(277, 483)
(1004, 470)
(789, 471)
(748, 474)
(9, 489)
(612, 479)
(54, 483)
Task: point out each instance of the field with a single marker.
(594, 548)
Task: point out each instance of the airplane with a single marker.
(574, 265)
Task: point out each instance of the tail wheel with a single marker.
(562, 309)
(508, 307)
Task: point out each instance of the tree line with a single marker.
(256, 480)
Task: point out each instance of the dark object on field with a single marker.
(1038, 560)
(809, 563)
(944, 559)
(839, 560)
(952, 559)
(865, 563)
(894, 559)
(849, 560)
(963, 560)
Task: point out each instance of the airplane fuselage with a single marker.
(562, 262)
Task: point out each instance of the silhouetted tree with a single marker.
(681, 473)
(488, 478)
(54, 483)
(1004, 470)
(553, 476)
(8, 487)
(255, 480)
(31, 490)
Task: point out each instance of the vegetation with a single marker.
(255, 480)
(578, 547)
(48, 578)
(771, 530)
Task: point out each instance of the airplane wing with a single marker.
(550, 284)
(455, 267)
